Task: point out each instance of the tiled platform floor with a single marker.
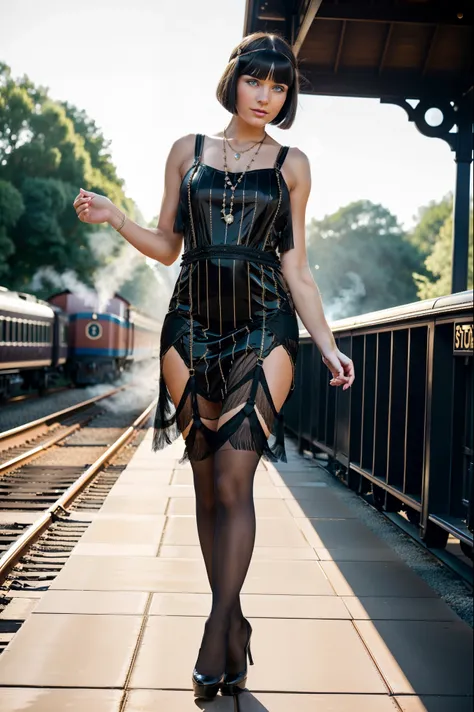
(340, 623)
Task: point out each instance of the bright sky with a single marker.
(146, 72)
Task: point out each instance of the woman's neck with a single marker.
(241, 132)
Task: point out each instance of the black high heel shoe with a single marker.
(234, 683)
(206, 686)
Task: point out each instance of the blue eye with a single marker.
(280, 88)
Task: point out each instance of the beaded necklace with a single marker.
(228, 217)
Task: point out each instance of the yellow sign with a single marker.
(463, 338)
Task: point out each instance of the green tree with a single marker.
(361, 260)
(439, 264)
(11, 209)
(47, 151)
(431, 218)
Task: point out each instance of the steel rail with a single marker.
(18, 548)
(26, 456)
(59, 414)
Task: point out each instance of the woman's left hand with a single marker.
(341, 368)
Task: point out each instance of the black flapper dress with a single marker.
(230, 307)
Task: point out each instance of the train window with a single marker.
(2, 330)
(7, 330)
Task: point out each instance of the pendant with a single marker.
(229, 218)
(236, 156)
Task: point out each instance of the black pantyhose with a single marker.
(232, 545)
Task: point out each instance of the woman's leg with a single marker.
(235, 524)
(206, 510)
(233, 545)
(176, 374)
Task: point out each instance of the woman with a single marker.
(230, 338)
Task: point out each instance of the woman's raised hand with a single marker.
(92, 207)
(341, 368)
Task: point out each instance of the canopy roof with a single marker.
(374, 48)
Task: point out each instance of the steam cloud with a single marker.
(108, 279)
(338, 307)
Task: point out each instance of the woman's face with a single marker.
(259, 101)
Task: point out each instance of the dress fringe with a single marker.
(243, 430)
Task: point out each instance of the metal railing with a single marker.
(405, 428)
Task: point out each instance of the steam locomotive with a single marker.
(41, 339)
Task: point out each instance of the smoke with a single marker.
(47, 277)
(142, 380)
(119, 263)
(347, 297)
(118, 270)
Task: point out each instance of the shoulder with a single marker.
(183, 145)
(297, 168)
(297, 158)
(182, 151)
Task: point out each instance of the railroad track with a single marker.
(15, 447)
(38, 498)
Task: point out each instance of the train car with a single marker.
(103, 343)
(33, 341)
(144, 336)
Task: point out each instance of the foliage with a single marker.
(439, 263)
(48, 150)
(361, 260)
(11, 208)
(431, 218)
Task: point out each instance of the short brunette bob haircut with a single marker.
(265, 56)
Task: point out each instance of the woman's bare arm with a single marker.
(160, 243)
(304, 290)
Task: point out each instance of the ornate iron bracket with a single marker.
(454, 114)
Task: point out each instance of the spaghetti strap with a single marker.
(281, 157)
(198, 146)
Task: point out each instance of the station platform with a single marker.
(341, 623)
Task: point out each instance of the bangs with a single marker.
(268, 64)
